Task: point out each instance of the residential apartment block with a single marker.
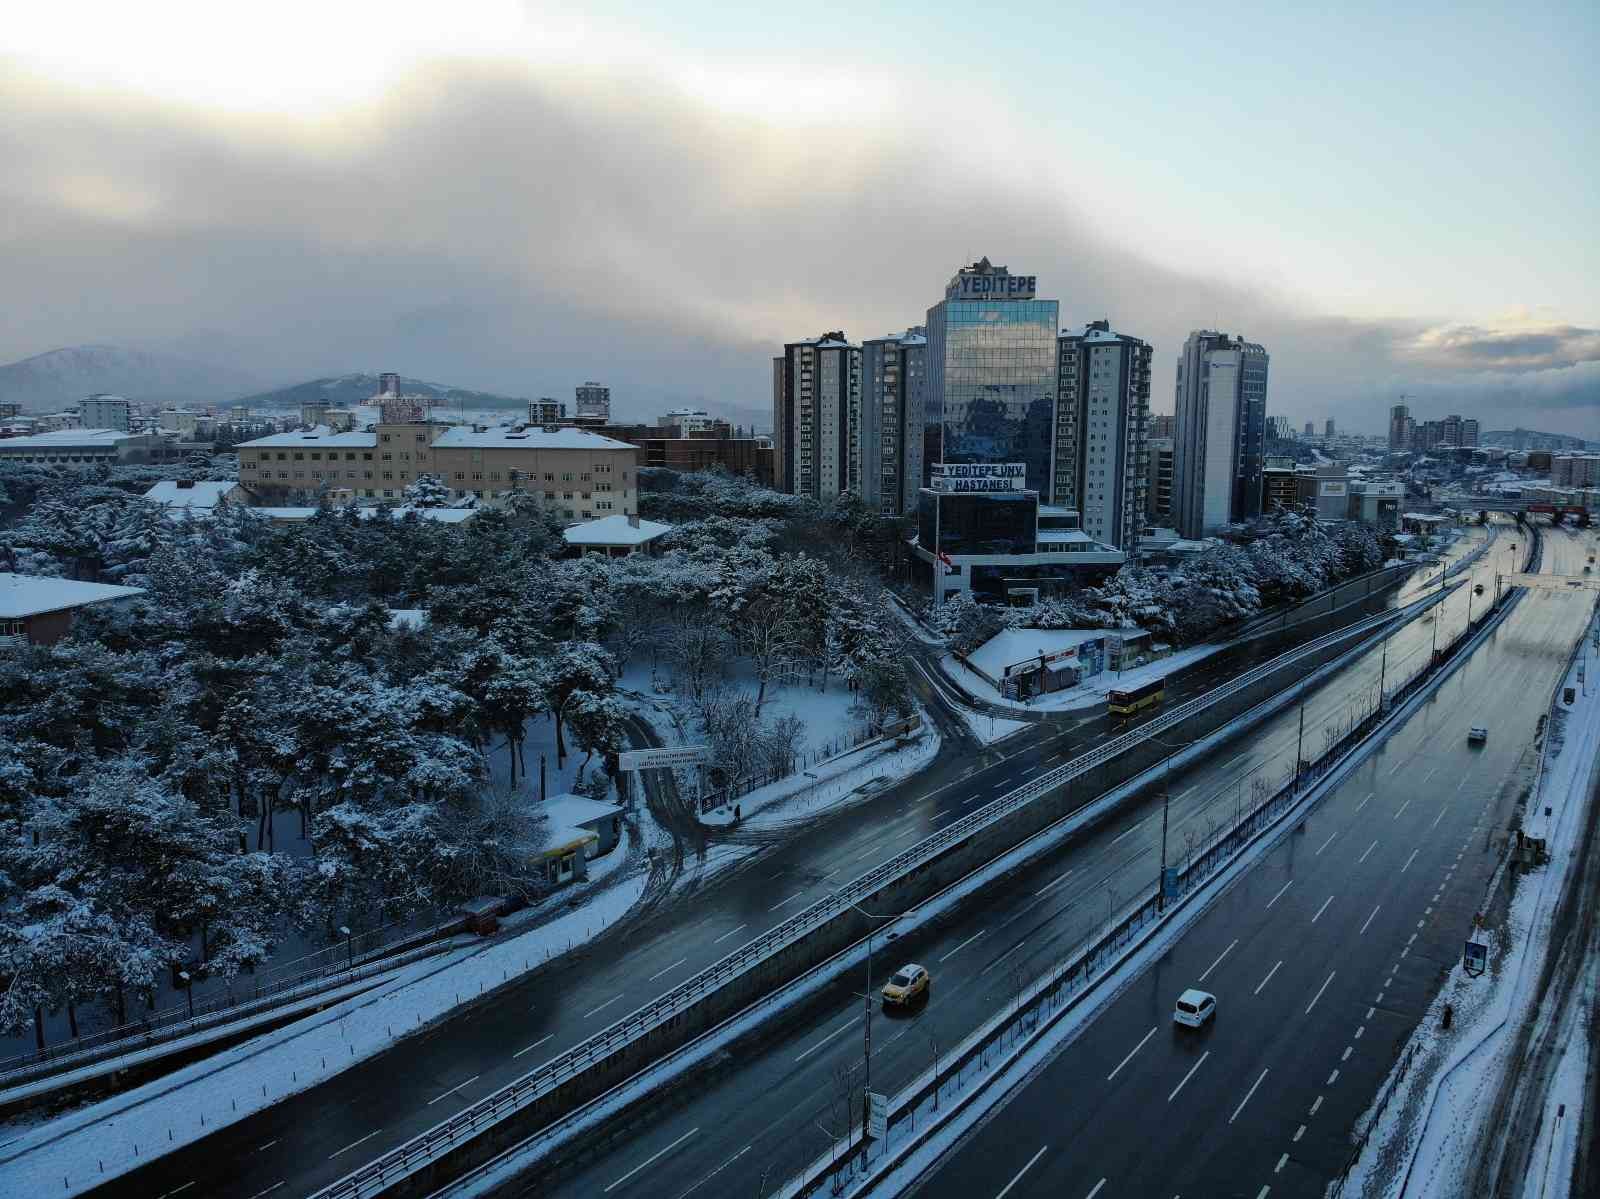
(816, 407)
(580, 475)
(1099, 462)
(1221, 431)
(893, 375)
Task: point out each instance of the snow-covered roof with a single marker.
(445, 516)
(1009, 647)
(193, 495)
(568, 808)
(614, 530)
(68, 437)
(1425, 517)
(321, 435)
(1064, 537)
(508, 437)
(407, 618)
(31, 595)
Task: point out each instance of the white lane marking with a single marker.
(1368, 921)
(1240, 758)
(1363, 803)
(717, 1171)
(1332, 1078)
(963, 945)
(1189, 1075)
(783, 903)
(1096, 1190)
(651, 1158)
(1298, 1133)
(603, 1006)
(1032, 769)
(1282, 1161)
(1396, 770)
(1018, 1177)
(1316, 1105)
(729, 933)
(1439, 817)
(178, 1190)
(351, 1145)
(1430, 774)
(1320, 990)
(1268, 979)
(452, 1090)
(532, 1047)
(268, 1145)
(1125, 832)
(1411, 859)
(664, 970)
(1263, 1192)
(1348, 1050)
(1001, 958)
(1370, 1010)
(1131, 1052)
(1001, 785)
(1279, 895)
(1401, 808)
(1218, 962)
(1322, 909)
(1246, 1098)
(1061, 879)
(1325, 844)
(1363, 857)
(269, 1190)
(848, 1024)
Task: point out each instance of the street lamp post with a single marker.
(349, 948)
(188, 989)
(866, 1055)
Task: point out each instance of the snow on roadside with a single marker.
(1430, 1130)
(86, 1147)
(1085, 695)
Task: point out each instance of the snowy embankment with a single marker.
(1428, 1136)
(84, 1148)
(1086, 695)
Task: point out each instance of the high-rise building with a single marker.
(1399, 427)
(816, 404)
(1163, 424)
(1099, 466)
(1469, 432)
(389, 384)
(1311, 428)
(1328, 430)
(593, 402)
(992, 371)
(546, 411)
(106, 412)
(1279, 429)
(1221, 411)
(1158, 485)
(893, 394)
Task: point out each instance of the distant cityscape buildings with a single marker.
(1221, 427)
(106, 412)
(1407, 436)
(593, 402)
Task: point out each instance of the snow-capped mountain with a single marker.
(342, 391)
(62, 377)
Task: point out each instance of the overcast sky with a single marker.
(509, 197)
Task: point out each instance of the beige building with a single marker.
(580, 475)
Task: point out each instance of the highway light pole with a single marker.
(1166, 806)
(866, 1052)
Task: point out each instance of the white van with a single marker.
(1194, 1008)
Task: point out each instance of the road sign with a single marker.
(652, 759)
(1475, 958)
(1169, 882)
(877, 1115)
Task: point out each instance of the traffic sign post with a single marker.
(1475, 958)
(877, 1115)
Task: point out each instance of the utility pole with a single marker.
(1299, 745)
(1166, 802)
(1383, 670)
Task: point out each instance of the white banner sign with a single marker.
(877, 1115)
(654, 759)
(978, 476)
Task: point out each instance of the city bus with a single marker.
(1126, 703)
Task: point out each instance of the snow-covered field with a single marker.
(1434, 1123)
(84, 1148)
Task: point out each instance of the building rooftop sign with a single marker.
(978, 476)
(984, 281)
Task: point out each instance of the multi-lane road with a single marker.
(319, 1135)
(774, 1109)
(1323, 958)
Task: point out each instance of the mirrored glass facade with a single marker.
(992, 382)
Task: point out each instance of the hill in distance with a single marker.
(344, 391)
(1533, 439)
(58, 378)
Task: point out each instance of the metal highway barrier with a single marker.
(425, 1147)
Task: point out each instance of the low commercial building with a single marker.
(40, 611)
(106, 412)
(82, 447)
(1325, 491)
(1376, 502)
(1280, 489)
(579, 474)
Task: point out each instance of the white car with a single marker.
(1477, 735)
(1194, 1008)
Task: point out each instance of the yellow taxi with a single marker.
(907, 985)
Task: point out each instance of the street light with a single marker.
(866, 1057)
(350, 953)
(1166, 805)
(188, 989)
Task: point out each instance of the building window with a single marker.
(549, 478)
(422, 437)
(282, 457)
(549, 495)
(299, 457)
(477, 476)
(367, 457)
(388, 474)
(349, 457)
(388, 495)
(387, 456)
(366, 474)
(461, 474)
(316, 457)
(566, 476)
(299, 474)
(385, 438)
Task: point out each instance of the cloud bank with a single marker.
(521, 229)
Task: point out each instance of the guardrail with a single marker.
(397, 1163)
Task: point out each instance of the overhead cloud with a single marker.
(518, 230)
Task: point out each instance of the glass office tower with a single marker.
(991, 383)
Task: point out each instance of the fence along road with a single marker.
(381, 1172)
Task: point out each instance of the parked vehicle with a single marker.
(1477, 735)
